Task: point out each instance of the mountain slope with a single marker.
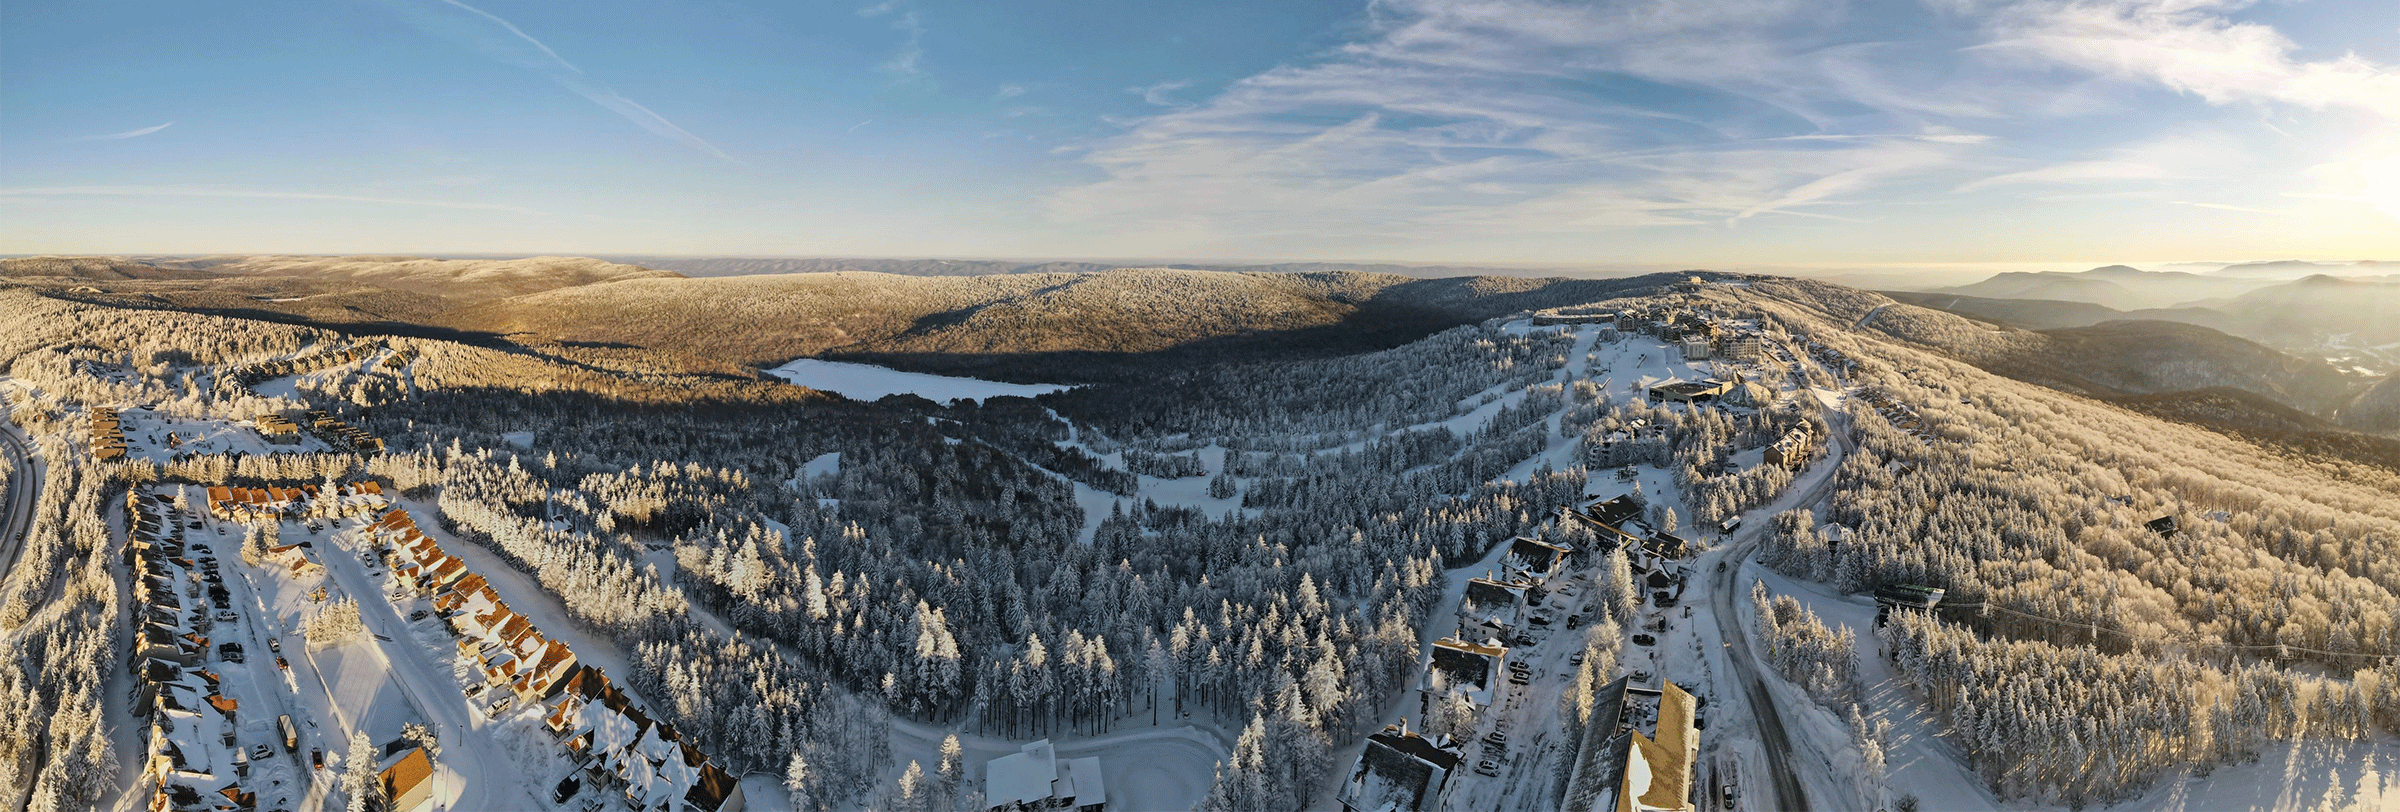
(2365, 313)
(2377, 409)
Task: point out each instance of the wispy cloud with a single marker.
(1157, 94)
(1477, 121)
(124, 135)
(2072, 172)
(1009, 92)
(2222, 207)
(907, 65)
(502, 40)
(1482, 118)
(2195, 47)
(203, 191)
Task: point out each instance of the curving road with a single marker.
(1788, 792)
(22, 484)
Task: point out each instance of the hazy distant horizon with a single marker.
(1903, 276)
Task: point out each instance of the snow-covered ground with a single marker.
(146, 437)
(869, 382)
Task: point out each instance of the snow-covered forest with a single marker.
(1252, 548)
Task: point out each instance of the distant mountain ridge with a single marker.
(2115, 286)
(2296, 268)
(2319, 316)
(739, 266)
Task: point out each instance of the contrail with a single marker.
(124, 135)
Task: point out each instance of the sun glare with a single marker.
(2380, 184)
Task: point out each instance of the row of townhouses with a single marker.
(614, 741)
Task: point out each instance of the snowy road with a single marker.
(21, 488)
(1788, 794)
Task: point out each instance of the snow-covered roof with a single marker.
(1024, 777)
(1082, 781)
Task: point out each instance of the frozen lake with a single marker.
(868, 382)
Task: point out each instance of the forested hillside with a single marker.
(1065, 326)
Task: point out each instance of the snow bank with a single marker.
(869, 382)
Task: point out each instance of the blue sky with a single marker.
(1722, 133)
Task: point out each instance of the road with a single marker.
(1729, 610)
(22, 484)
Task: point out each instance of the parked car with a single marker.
(316, 757)
(1575, 658)
(567, 787)
(1644, 640)
(261, 753)
(227, 616)
(275, 644)
(1497, 737)
(1486, 767)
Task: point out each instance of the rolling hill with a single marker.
(88, 269)
(1070, 327)
(447, 278)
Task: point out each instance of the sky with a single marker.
(1688, 133)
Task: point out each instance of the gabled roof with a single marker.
(714, 787)
(407, 773)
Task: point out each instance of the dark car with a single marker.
(316, 757)
(567, 787)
